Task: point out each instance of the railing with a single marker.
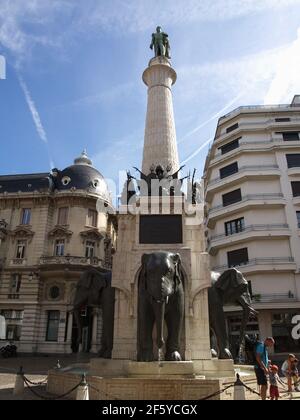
(18, 261)
(251, 228)
(265, 298)
(258, 261)
(3, 224)
(244, 169)
(70, 260)
(256, 107)
(248, 197)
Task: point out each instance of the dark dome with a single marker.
(82, 176)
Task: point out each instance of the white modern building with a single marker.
(252, 188)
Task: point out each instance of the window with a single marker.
(238, 257)
(290, 136)
(229, 170)
(235, 226)
(63, 216)
(52, 326)
(280, 120)
(232, 197)
(235, 144)
(296, 188)
(25, 217)
(89, 249)
(54, 292)
(293, 160)
(59, 250)
(15, 285)
(298, 218)
(232, 128)
(21, 247)
(13, 332)
(92, 218)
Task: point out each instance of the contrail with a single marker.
(36, 117)
(218, 114)
(197, 151)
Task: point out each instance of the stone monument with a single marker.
(169, 225)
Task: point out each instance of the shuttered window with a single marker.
(229, 170)
(232, 197)
(235, 144)
(293, 160)
(237, 257)
(296, 188)
(232, 128)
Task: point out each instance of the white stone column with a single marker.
(160, 146)
(94, 348)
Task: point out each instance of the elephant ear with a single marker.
(227, 281)
(177, 263)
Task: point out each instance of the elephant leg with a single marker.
(108, 313)
(174, 320)
(146, 319)
(218, 324)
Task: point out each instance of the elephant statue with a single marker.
(94, 290)
(160, 300)
(228, 288)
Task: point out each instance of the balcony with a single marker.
(273, 298)
(20, 262)
(254, 171)
(70, 261)
(257, 265)
(248, 201)
(249, 233)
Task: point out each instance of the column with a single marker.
(94, 348)
(69, 333)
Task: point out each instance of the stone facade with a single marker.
(256, 155)
(50, 236)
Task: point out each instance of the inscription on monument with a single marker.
(158, 229)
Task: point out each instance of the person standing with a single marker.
(274, 383)
(261, 365)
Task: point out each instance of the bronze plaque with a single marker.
(160, 229)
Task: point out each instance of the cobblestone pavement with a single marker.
(35, 369)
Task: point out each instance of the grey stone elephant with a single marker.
(160, 300)
(94, 290)
(228, 288)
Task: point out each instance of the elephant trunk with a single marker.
(160, 319)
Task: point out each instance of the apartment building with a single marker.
(252, 189)
(50, 232)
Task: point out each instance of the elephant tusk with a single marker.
(167, 299)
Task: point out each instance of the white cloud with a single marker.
(286, 81)
(106, 97)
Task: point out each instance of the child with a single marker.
(290, 371)
(274, 383)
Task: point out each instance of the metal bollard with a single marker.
(83, 390)
(239, 390)
(19, 383)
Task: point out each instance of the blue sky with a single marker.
(74, 74)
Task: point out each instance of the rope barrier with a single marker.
(37, 383)
(49, 398)
(216, 394)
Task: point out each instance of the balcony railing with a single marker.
(248, 197)
(18, 261)
(3, 224)
(251, 228)
(258, 261)
(70, 260)
(271, 298)
(243, 169)
(256, 107)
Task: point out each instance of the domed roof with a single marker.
(82, 176)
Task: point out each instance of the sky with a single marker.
(74, 67)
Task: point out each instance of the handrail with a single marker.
(259, 261)
(244, 169)
(248, 197)
(251, 228)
